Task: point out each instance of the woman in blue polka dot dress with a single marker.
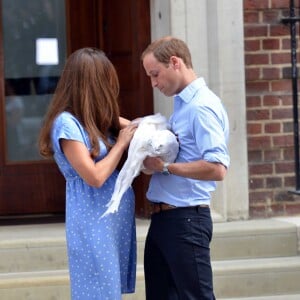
(87, 138)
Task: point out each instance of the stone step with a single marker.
(43, 246)
(254, 238)
(32, 248)
(256, 277)
(46, 285)
(238, 278)
(250, 259)
(273, 297)
(50, 285)
(245, 239)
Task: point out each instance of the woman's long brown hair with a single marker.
(88, 88)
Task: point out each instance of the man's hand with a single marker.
(154, 164)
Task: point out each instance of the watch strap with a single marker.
(165, 170)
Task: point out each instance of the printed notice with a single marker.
(47, 51)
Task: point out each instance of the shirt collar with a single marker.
(189, 91)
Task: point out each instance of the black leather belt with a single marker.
(161, 206)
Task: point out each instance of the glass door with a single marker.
(34, 46)
(33, 51)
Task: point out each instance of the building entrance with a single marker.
(36, 38)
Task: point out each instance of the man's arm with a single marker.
(199, 169)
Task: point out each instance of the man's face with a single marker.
(164, 78)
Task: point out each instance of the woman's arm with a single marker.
(124, 122)
(95, 174)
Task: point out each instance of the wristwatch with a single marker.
(165, 169)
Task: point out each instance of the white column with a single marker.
(213, 30)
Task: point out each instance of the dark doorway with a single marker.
(122, 29)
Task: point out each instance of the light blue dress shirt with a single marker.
(201, 124)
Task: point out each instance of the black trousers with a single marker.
(177, 255)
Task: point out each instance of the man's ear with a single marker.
(175, 62)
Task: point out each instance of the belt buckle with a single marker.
(203, 205)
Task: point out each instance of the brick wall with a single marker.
(270, 108)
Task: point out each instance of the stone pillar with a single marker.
(213, 31)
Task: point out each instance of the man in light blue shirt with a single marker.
(177, 256)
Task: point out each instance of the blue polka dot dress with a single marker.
(101, 251)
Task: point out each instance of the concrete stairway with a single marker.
(252, 260)
(257, 260)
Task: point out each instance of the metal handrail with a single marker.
(292, 20)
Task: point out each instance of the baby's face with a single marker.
(160, 143)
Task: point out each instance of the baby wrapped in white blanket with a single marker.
(152, 138)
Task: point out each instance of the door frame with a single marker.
(23, 184)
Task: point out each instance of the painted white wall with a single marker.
(213, 30)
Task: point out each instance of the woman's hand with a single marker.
(95, 174)
(124, 122)
(126, 135)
